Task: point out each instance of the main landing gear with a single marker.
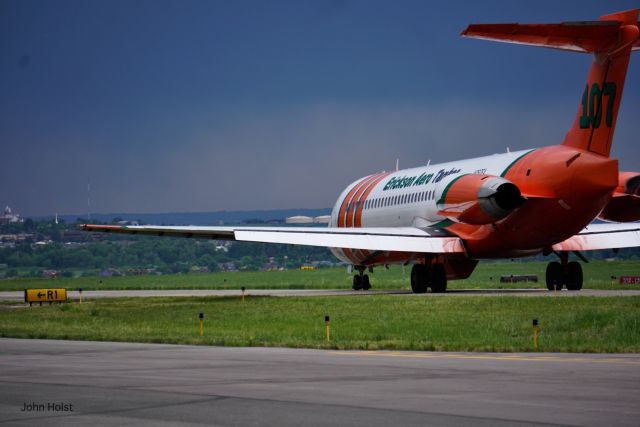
(428, 276)
(361, 280)
(564, 273)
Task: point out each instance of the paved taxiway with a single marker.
(19, 295)
(150, 384)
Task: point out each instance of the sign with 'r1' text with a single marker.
(45, 295)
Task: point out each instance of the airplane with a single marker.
(444, 218)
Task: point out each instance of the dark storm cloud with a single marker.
(171, 106)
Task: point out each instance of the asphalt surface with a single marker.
(98, 384)
(74, 295)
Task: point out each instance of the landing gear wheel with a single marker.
(357, 282)
(419, 279)
(573, 275)
(438, 279)
(554, 276)
(365, 283)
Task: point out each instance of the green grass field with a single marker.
(576, 324)
(597, 276)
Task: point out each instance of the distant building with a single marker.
(9, 217)
(322, 219)
(50, 274)
(300, 219)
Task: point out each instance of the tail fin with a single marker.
(611, 39)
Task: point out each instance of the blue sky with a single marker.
(213, 105)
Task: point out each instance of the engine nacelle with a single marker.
(478, 199)
(624, 206)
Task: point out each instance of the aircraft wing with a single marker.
(403, 239)
(603, 236)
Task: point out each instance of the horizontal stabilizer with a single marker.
(610, 39)
(603, 36)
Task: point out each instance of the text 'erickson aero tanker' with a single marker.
(444, 218)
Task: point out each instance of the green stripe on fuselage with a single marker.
(446, 189)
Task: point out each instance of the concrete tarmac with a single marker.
(99, 383)
(74, 295)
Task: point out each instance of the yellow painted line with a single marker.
(488, 357)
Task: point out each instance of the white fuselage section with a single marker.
(409, 197)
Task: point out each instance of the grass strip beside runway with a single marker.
(597, 275)
(501, 324)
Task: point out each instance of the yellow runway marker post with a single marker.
(201, 317)
(326, 328)
(535, 334)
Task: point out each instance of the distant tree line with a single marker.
(57, 251)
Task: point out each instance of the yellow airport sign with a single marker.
(45, 295)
